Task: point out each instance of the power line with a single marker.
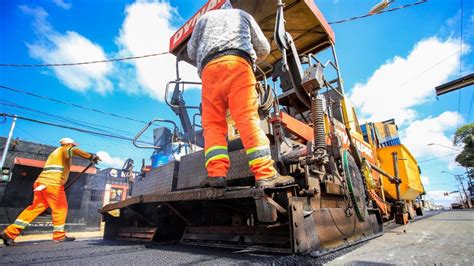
(164, 53)
(71, 104)
(71, 120)
(66, 119)
(29, 134)
(69, 127)
(84, 63)
(436, 158)
(460, 63)
(102, 144)
(428, 69)
(51, 143)
(385, 11)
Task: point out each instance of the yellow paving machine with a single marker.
(349, 180)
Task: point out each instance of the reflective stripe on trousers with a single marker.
(228, 83)
(52, 197)
(258, 154)
(21, 224)
(58, 228)
(216, 153)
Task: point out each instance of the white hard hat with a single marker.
(65, 141)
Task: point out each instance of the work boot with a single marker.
(274, 181)
(7, 240)
(64, 239)
(215, 182)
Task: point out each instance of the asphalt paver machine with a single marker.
(313, 137)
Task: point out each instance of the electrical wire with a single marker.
(428, 69)
(72, 121)
(51, 143)
(460, 64)
(381, 12)
(84, 63)
(69, 127)
(110, 60)
(102, 144)
(30, 134)
(436, 158)
(66, 119)
(71, 104)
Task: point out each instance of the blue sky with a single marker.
(390, 64)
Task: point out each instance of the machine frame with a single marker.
(315, 137)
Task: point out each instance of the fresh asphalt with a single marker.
(100, 252)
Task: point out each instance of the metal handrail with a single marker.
(328, 62)
(135, 140)
(179, 82)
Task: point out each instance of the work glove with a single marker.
(95, 159)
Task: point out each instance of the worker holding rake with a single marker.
(226, 44)
(49, 192)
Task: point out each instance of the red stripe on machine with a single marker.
(185, 31)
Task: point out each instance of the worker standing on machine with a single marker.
(49, 192)
(226, 44)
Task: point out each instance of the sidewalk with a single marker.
(443, 239)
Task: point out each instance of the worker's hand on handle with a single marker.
(95, 159)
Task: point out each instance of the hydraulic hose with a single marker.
(265, 93)
(265, 98)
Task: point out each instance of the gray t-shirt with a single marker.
(224, 29)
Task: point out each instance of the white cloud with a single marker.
(147, 29)
(54, 47)
(440, 199)
(454, 166)
(425, 180)
(420, 133)
(62, 4)
(399, 85)
(109, 161)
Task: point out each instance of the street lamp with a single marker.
(447, 147)
(379, 7)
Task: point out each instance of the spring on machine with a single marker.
(317, 117)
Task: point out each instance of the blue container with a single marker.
(159, 159)
(162, 156)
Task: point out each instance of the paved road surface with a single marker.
(443, 238)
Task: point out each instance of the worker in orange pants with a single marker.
(53, 197)
(49, 193)
(226, 43)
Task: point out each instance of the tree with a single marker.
(465, 136)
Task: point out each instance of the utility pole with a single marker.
(459, 177)
(7, 144)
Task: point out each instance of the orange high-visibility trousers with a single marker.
(53, 197)
(228, 83)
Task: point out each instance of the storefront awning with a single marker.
(40, 164)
